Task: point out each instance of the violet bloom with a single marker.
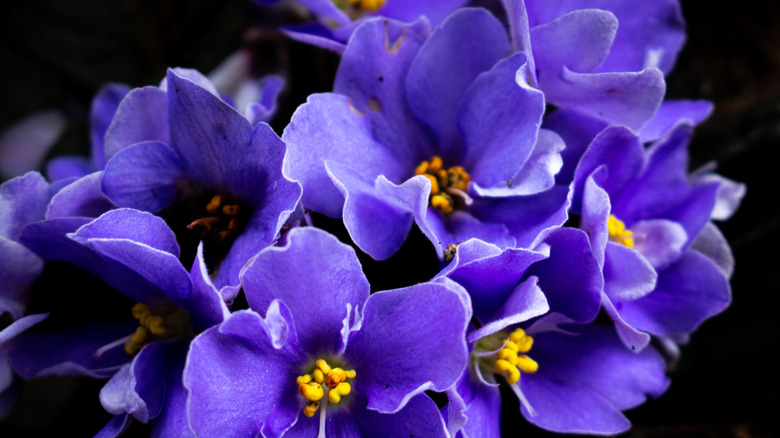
(576, 381)
(645, 217)
(338, 19)
(327, 359)
(572, 60)
(438, 129)
(181, 152)
(144, 355)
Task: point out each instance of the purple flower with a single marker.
(581, 60)
(326, 356)
(136, 253)
(438, 129)
(574, 381)
(183, 153)
(644, 216)
(8, 336)
(23, 200)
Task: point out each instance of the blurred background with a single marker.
(55, 55)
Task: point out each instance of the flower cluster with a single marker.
(537, 156)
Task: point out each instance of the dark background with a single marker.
(56, 54)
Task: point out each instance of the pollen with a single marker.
(505, 355)
(448, 186)
(618, 232)
(166, 323)
(323, 379)
(222, 222)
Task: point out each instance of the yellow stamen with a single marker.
(310, 386)
(168, 322)
(509, 363)
(445, 183)
(213, 205)
(618, 232)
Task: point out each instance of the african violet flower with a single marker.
(144, 355)
(183, 153)
(572, 61)
(340, 18)
(439, 129)
(575, 381)
(643, 215)
(327, 356)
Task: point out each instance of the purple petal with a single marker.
(499, 120)
(660, 241)
(504, 270)
(24, 145)
(622, 155)
(23, 200)
(579, 40)
(194, 76)
(583, 381)
(205, 305)
(265, 107)
(116, 427)
(418, 418)
(468, 43)
(142, 116)
(538, 172)
(373, 74)
(134, 225)
(673, 113)
(525, 302)
(210, 137)
(728, 197)
(650, 33)
(104, 107)
(19, 269)
(463, 226)
(631, 337)
(396, 334)
(173, 421)
(315, 34)
(482, 404)
(82, 197)
(325, 121)
(595, 214)
(714, 246)
(68, 167)
(578, 293)
(379, 215)
(525, 216)
(75, 351)
(688, 292)
(240, 383)
(143, 176)
(410, 10)
(317, 277)
(577, 131)
(627, 274)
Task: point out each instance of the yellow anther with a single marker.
(311, 391)
(526, 364)
(517, 335)
(140, 335)
(509, 371)
(618, 232)
(441, 202)
(351, 374)
(231, 210)
(304, 379)
(213, 205)
(523, 343)
(435, 165)
(335, 394)
(422, 168)
(511, 346)
(458, 178)
(319, 377)
(335, 377)
(139, 310)
(507, 355)
(310, 408)
(323, 366)
(434, 183)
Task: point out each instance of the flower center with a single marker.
(504, 354)
(618, 232)
(310, 386)
(162, 324)
(224, 222)
(447, 186)
(356, 8)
